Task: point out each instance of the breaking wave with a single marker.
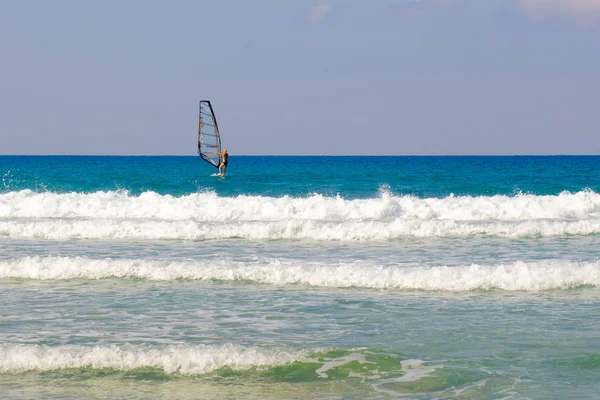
(304, 364)
(518, 276)
(203, 216)
(182, 359)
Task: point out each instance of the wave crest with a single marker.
(182, 359)
(518, 276)
(200, 216)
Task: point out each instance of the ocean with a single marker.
(300, 278)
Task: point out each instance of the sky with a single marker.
(300, 77)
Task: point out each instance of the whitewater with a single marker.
(541, 275)
(204, 216)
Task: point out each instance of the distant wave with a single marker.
(200, 216)
(212, 208)
(518, 276)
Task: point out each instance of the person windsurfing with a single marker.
(223, 164)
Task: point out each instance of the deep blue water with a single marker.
(350, 177)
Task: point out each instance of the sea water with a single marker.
(300, 277)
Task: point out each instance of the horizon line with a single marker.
(304, 155)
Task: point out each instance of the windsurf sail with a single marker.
(209, 140)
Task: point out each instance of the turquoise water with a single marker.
(300, 277)
(351, 177)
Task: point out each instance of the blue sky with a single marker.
(403, 77)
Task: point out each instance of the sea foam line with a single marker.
(209, 207)
(517, 276)
(204, 216)
(182, 359)
(61, 229)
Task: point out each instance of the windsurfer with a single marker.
(223, 164)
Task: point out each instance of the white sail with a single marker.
(209, 140)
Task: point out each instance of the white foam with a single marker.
(518, 276)
(414, 371)
(199, 216)
(209, 206)
(171, 359)
(330, 364)
(108, 229)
